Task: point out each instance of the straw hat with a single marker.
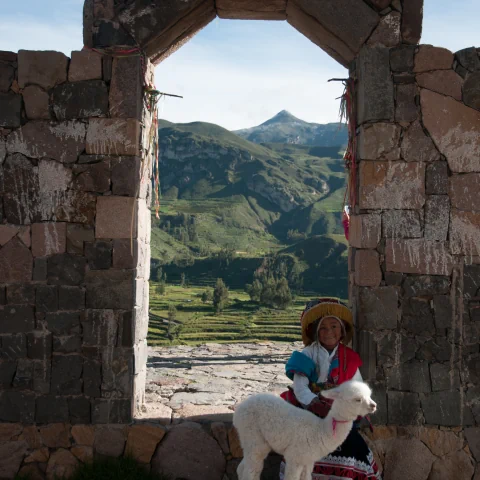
(325, 307)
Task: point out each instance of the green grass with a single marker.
(241, 321)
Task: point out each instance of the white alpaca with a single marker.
(265, 422)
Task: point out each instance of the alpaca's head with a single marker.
(351, 399)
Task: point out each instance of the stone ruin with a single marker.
(75, 163)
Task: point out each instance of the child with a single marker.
(326, 361)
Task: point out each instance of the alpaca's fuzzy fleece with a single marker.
(265, 422)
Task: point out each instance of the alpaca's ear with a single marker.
(331, 394)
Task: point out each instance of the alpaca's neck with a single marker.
(335, 429)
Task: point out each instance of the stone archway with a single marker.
(74, 272)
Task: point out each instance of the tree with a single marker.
(207, 296)
(182, 279)
(220, 295)
(161, 288)
(283, 296)
(254, 290)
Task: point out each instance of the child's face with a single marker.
(330, 332)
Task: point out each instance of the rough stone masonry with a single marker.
(74, 233)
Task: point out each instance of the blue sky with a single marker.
(234, 73)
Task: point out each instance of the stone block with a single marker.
(401, 224)
(7, 75)
(429, 58)
(20, 188)
(206, 460)
(418, 256)
(126, 338)
(455, 129)
(80, 100)
(387, 32)
(78, 207)
(463, 191)
(41, 376)
(46, 299)
(49, 238)
(83, 434)
(473, 438)
(406, 109)
(23, 294)
(417, 316)
(367, 268)
(471, 281)
(117, 371)
(100, 328)
(100, 411)
(67, 375)
(17, 319)
(36, 103)
(252, 10)
(437, 181)
(10, 110)
(3, 295)
(442, 307)
(77, 235)
(60, 141)
(471, 90)
(401, 58)
(92, 177)
(392, 185)
(464, 233)
(43, 68)
(107, 64)
(67, 344)
(115, 217)
(7, 232)
(24, 374)
(378, 308)
(426, 285)
(113, 136)
(110, 289)
(99, 255)
(379, 140)
(11, 456)
(85, 65)
(71, 298)
(7, 372)
(403, 408)
(14, 346)
(142, 441)
(62, 464)
(125, 176)
(63, 323)
(443, 408)
(437, 210)
(120, 411)
(79, 410)
(126, 88)
(407, 458)
(66, 269)
(412, 19)
(92, 378)
(413, 377)
(39, 345)
(375, 93)
(417, 146)
(125, 253)
(109, 33)
(446, 82)
(16, 406)
(110, 440)
(468, 58)
(444, 377)
(438, 349)
(455, 465)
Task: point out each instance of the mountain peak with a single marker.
(282, 117)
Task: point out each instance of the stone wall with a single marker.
(74, 237)
(414, 261)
